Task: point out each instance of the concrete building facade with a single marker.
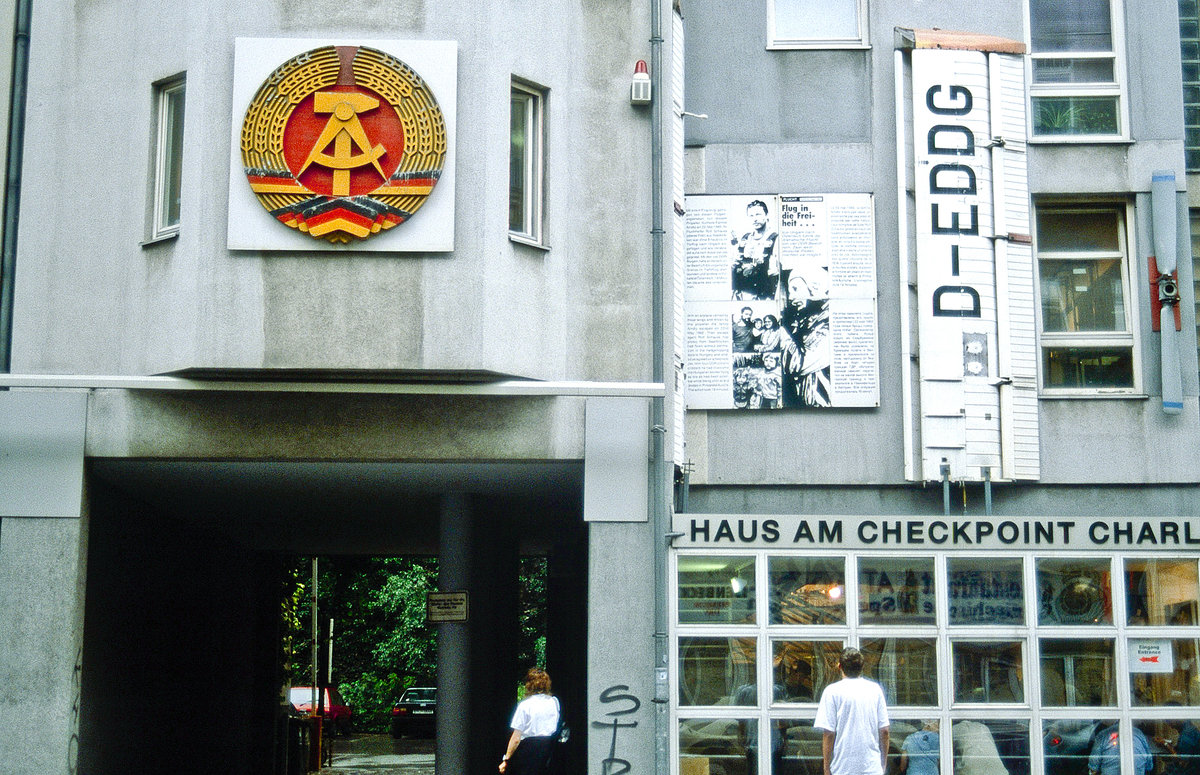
(844, 334)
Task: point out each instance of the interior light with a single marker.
(737, 585)
(835, 592)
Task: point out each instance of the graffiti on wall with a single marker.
(628, 704)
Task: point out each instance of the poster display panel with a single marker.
(780, 301)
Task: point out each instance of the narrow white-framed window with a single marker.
(1086, 327)
(168, 157)
(526, 163)
(817, 24)
(1077, 69)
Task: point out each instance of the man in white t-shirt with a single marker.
(853, 715)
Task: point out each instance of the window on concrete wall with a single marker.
(1077, 71)
(168, 156)
(526, 163)
(816, 23)
(1189, 49)
(1087, 341)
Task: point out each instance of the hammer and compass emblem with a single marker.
(343, 142)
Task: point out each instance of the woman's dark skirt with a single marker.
(532, 756)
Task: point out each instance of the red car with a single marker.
(337, 712)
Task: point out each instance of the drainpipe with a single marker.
(659, 489)
(12, 186)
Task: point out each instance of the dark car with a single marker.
(415, 712)
(337, 712)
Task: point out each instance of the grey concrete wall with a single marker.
(620, 662)
(824, 121)
(43, 566)
(99, 303)
(1113, 500)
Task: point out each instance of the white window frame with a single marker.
(1030, 634)
(1116, 89)
(859, 41)
(168, 156)
(1063, 339)
(532, 99)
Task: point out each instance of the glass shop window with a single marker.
(807, 590)
(718, 671)
(1078, 672)
(897, 591)
(716, 590)
(986, 591)
(1074, 591)
(906, 668)
(991, 746)
(988, 671)
(915, 746)
(1161, 592)
(1069, 744)
(1163, 672)
(1173, 745)
(803, 668)
(708, 745)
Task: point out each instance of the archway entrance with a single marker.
(181, 663)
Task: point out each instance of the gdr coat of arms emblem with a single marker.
(342, 142)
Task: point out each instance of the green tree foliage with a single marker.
(381, 644)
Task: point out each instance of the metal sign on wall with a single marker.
(976, 332)
(338, 143)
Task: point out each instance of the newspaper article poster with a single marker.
(780, 301)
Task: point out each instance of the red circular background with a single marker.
(304, 127)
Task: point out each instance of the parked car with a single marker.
(416, 711)
(337, 712)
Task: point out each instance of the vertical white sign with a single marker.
(966, 284)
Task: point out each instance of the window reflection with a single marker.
(1074, 591)
(713, 745)
(1174, 744)
(986, 591)
(801, 748)
(988, 671)
(990, 747)
(905, 667)
(802, 669)
(1069, 743)
(716, 590)
(807, 590)
(896, 591)
(1161, 592)
(717, 671)
(1164, 672)
(914, 747)
(1077, 672)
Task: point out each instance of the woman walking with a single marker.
(534, 728)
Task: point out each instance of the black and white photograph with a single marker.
(755, 269)
(780, 302)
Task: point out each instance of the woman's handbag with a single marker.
(563, 733)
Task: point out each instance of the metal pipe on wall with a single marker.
(12, 177)
(659, 489)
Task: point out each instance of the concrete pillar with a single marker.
(43, 561)
(453, 639)
(42, 574)
(621, 665)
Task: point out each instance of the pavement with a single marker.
(373, 754)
